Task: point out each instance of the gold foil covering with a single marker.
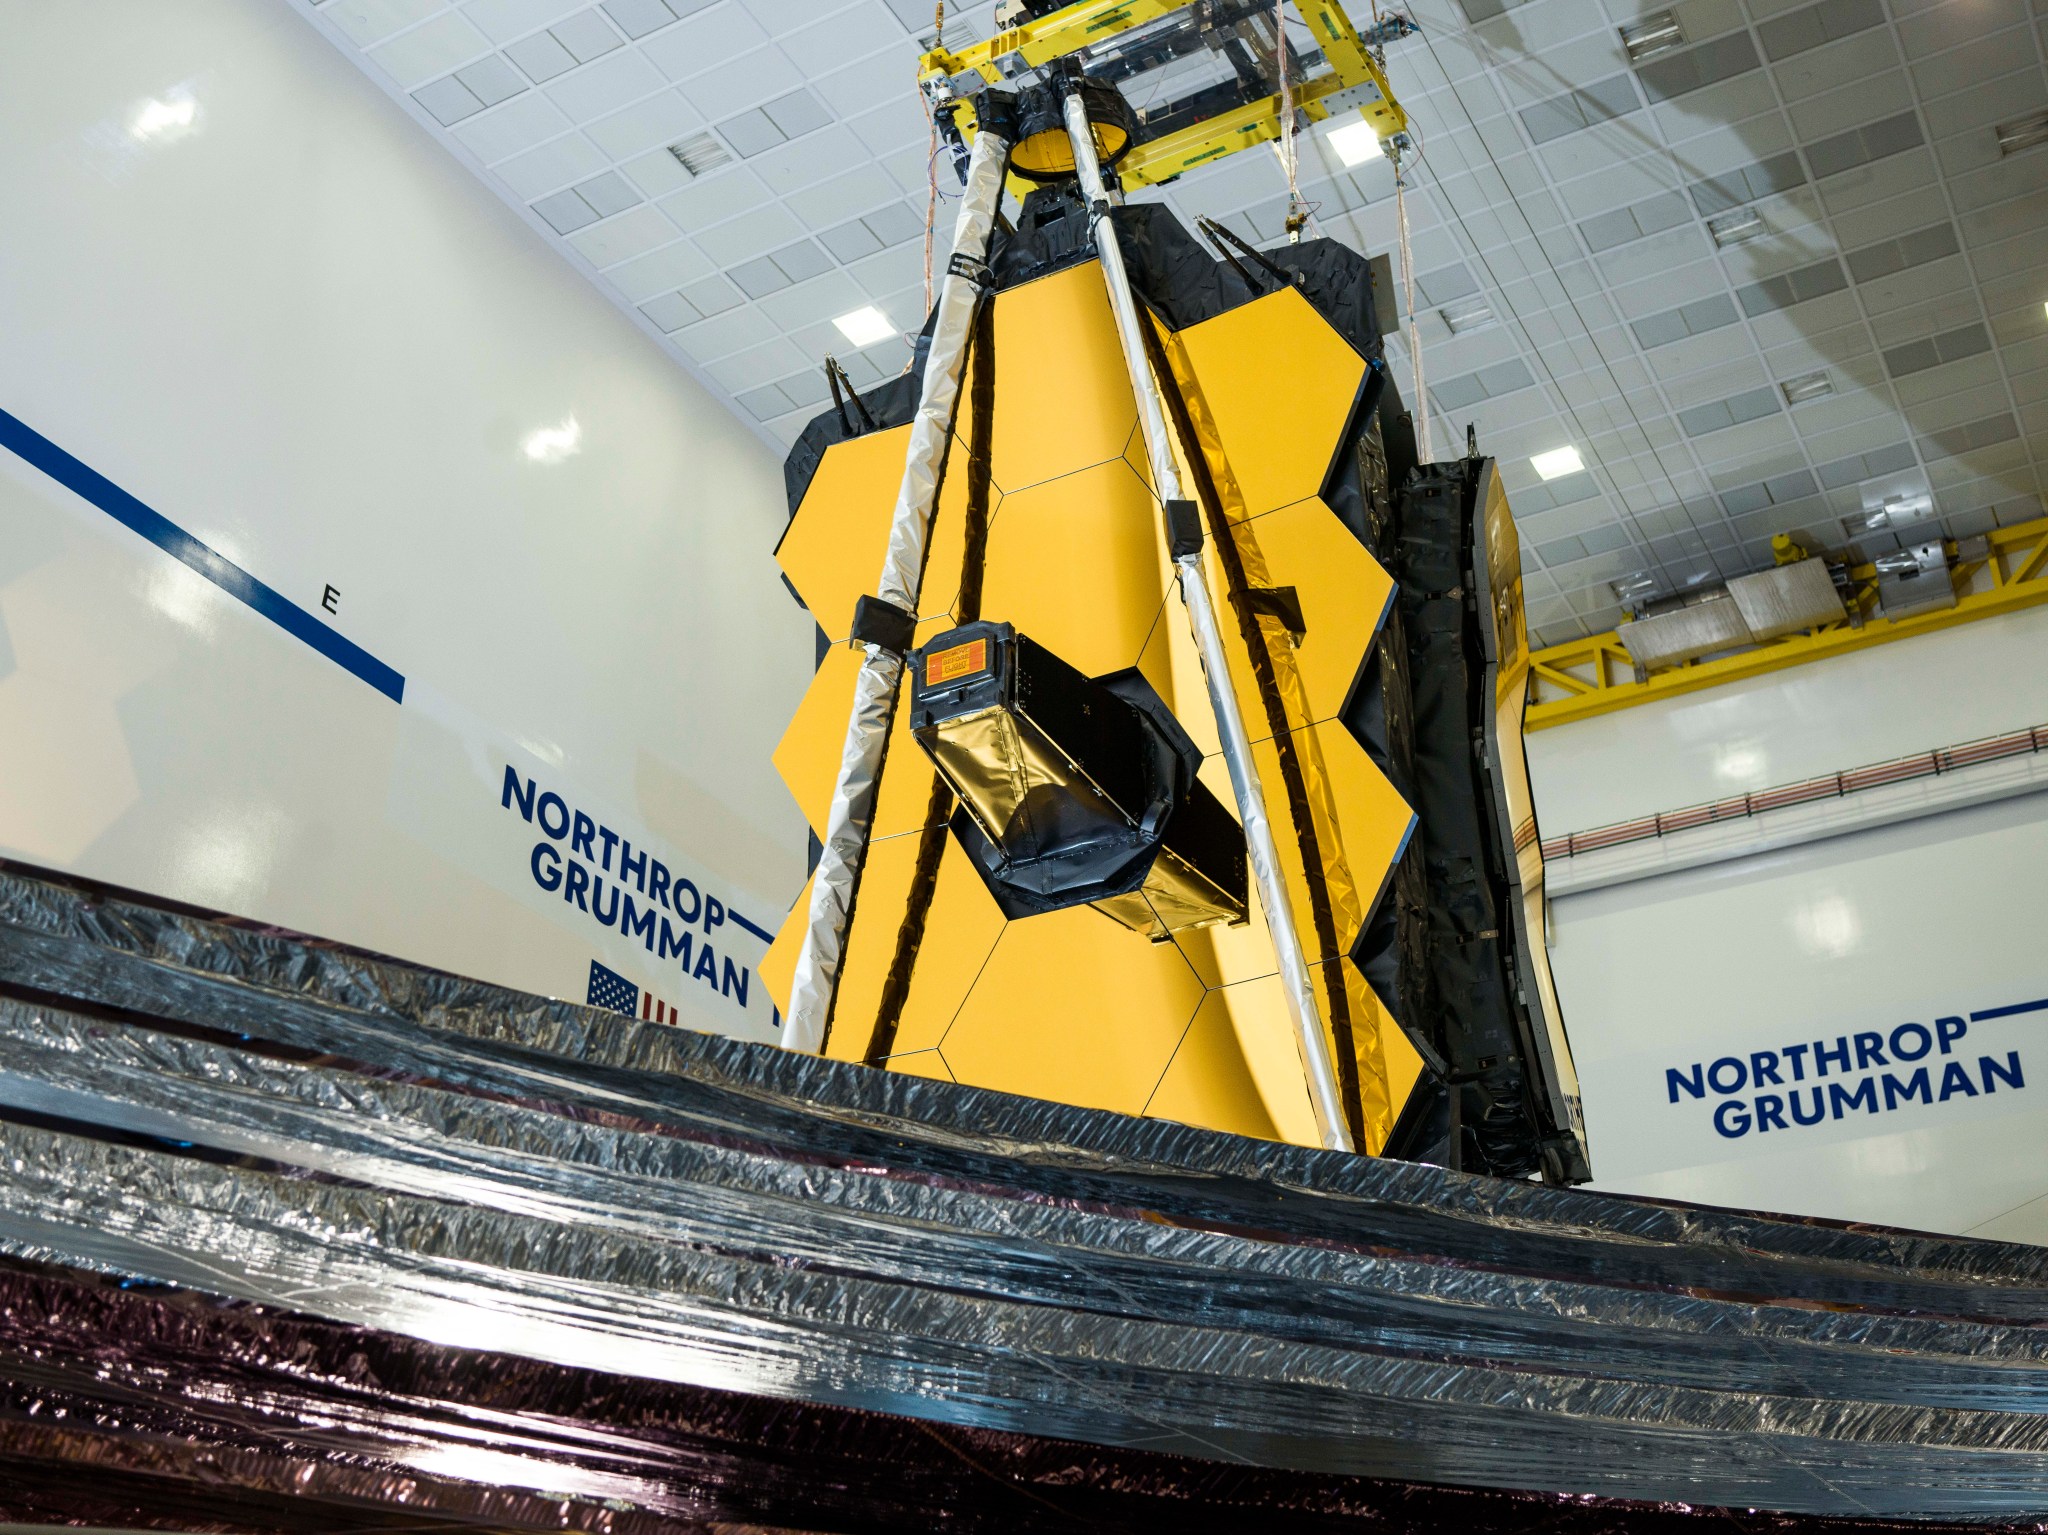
(1175, 898)
(1004, 767)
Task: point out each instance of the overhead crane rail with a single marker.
(2006, 572)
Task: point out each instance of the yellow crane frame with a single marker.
(1593, 676)
(1091, 22)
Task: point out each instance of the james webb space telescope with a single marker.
(1142, 776)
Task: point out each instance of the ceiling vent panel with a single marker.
(700, 154)
(1808, 386)
(1659, 32)
(1467, 314)
(1735, 226)
(2025, 133)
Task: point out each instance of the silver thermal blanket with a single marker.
(297, 1131)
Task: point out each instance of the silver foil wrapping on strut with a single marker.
(851, 812)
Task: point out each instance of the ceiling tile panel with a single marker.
(364, 22)
(503, 20)
(1562, 190)
(675, 265)
(434, 47)
(555, 164)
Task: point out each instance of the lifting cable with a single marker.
(931, 163)
(1420, 409)
(1298, 212)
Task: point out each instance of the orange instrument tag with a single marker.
(960, 661)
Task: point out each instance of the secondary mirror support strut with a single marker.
(1264, 854)
(874, 700)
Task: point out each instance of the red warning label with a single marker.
(943, 666)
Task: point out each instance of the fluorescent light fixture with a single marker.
(552, 444)
(1808, 386)
(1558, 462)
(1466, 314)
(865, 326)
(166, 118)
(1633, 589)
(2025, 133)
(1356, 143)
(700, 154)
(1735, 226)
(1656, 33)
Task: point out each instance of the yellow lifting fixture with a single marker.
(2002, 571)
(1099, 35)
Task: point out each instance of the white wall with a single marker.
(1936, 916)
(238, 282)
(1959, 684)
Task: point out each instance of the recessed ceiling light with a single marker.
(2024, 133)
(1356, 142)
(1466, 314)
(1558, 463)
(1654, 34)
(1735, 226)
(1808, 386)
(865, 326)
(700, 154)
(552, 444)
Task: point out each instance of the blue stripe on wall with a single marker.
(30, 445)
(2007, 1012)
(740, 921)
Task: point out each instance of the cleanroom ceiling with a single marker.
(1775, 270)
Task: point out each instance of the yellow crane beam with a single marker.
(1597, 675)
(1035, 43)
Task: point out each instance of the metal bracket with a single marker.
(1183, 529)
(1363, 94)
(1281, 602)
(876, 622)
(973, 268)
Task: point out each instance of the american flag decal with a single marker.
(609, 989)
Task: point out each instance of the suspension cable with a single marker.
(931, 163)
(1420, 409)
(1299, 213)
